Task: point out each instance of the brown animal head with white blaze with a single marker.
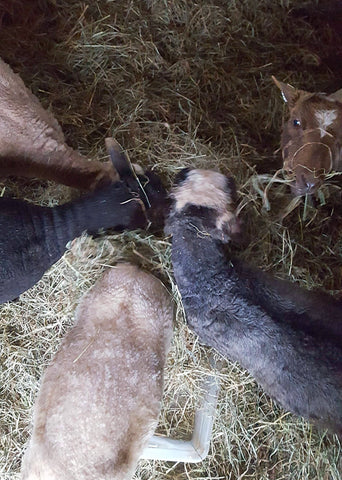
(311, 138)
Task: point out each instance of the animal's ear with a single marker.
(138, 169)
(336, 95)
(289, 93)
(118, 158)
(231, 189)
(181, 176)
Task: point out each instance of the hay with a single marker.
(178, 84)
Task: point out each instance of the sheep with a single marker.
(33, 238)
(288, 338)
(100, 397)
(311, 137)
(32, 143)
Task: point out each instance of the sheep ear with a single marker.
(231, 188)
(289, 93)
(118, 158)
(181, 176)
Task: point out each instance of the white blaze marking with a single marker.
(325, 118)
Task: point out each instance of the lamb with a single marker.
(311, 137)
(33, 238)
(288, 338)
(100, 397)
(32, 143)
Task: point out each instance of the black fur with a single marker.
(148, 187)
(155, 198)
(181, 176)
(32, 238)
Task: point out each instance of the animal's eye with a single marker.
(296, 123)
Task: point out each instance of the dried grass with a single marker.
(178, 84)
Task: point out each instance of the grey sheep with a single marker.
(288, 338)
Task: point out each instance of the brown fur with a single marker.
(32, 143)
(100, 398)
(312, 148)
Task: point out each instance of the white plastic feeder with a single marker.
(196, 449)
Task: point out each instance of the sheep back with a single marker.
(100, 398)
(277, 331)
(32, 143)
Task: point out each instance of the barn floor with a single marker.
(178, 83)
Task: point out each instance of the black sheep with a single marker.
(32, 237)
(288, 338)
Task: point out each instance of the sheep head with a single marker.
(145, 185)
(211, 198)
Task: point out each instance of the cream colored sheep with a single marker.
(32, 143)
(100, 398)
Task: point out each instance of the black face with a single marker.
(204, 220)
(148, 187)
(155, 197)
(153, 188)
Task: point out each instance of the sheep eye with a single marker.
(296, 122)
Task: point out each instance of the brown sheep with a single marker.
(311, 137)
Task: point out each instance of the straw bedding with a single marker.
(178, 83)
